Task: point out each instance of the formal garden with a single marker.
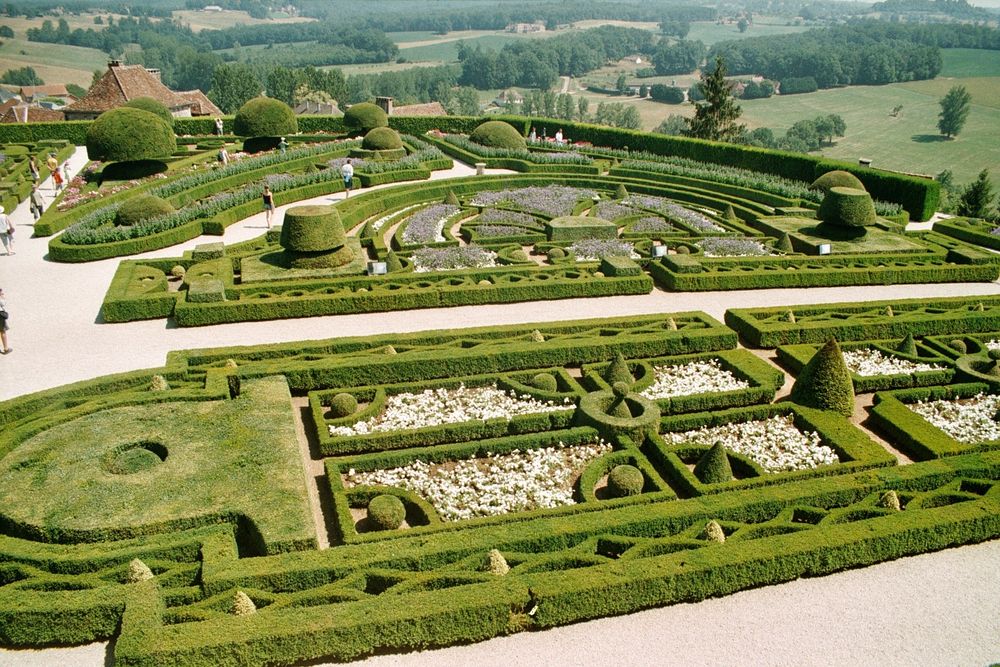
(331, 499)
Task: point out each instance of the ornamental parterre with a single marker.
(869, 361)
(969, 420)
(695, 377)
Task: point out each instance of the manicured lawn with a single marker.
(985, 91)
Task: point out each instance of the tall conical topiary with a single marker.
(617, 371)
(787, 316)
(730, 214)
(451, 198)
(495, 563)
(392, 262)
(243, 605)
(784, 244)
(621, 192)
(907, 346)
(825, 382)
(713, 467)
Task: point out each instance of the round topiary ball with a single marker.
(386, 512)
(625, 480)
(343, 404)
(315, 228)
(498, 134)
(360, 118)
(141, 208)
(152, 106)
(265, 117)
(556, 253)
(837, 179)
(381, 139)
(847, 207)
(545, 382)
(126, 135)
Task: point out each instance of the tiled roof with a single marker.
(25, 114)
(429, 109)
(318, 108)
(200, 104)
(122, 83)
(48, 90)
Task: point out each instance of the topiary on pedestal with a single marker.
(847, 210)
(498, 134)
(313, 238)
(141, 208)
(625, 480)
(386, 512)
(381, 139)
(618, 371)
(825, 382)
(713, 467)
(263, 121)
(129, 135)
(360, 118)
(837, 179)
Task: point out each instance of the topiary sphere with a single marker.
(620, 389)
(343, 404)
(361, 118)
(847, 207)
(545, 382)
(625, 480)
(381, 139)
(556, 253)
(152, 106)
(386, 512)
(498, 134)
(126, 135)
(265, 117)
(994, 355)
(141, 208)
(837, 179)
(314, 228)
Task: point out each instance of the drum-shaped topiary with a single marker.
(312, 229)
(152, 106)
(625, 480)
(125, 135)
(265, 117)
(848, 208)
(381, 139)
(386, 512)
(141, 208)
(837, 179)
(360, 118)
(498, 134)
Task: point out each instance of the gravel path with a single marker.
(932, 609)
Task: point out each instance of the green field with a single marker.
(764, 26)
(964, 63)
(448, 51)
(55, 63)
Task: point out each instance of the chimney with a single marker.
(155, 71)
(115, 63)
(385, 103)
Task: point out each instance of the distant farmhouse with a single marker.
(526, 27)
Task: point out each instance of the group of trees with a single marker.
(681, 57)
(22, 76)
(975, 200)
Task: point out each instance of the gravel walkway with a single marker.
(933, 609)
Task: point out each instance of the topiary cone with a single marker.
(713, 532)
(889, 500)
(787, 316)
(730, 214)
(495, 563)
(452, 199)
(243, 605)
(713, 467)
(825, 382)
(537, 336)
(785, 243)
(392, 262)
(621, 192)
(617, 371)
(907, 346)
(671, 324)
(889, 312)
(138, 571)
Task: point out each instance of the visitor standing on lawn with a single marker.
(3, 325)
(347, 171)
(6, 232)
(268, 204)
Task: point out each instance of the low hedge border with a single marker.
(969, 230)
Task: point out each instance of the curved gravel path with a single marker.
(933, 609)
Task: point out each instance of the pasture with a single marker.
(54, 63)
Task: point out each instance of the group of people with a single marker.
(557, 138)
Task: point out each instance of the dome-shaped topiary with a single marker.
(127, 135)
(617, 371)
(545, 382)
(625, 480)
(682, 250)
(381, 139)
(713, 467)
(386, 512)
(498, 134)
(243, 605)
(847, 207)
(556, 253)
(152, 106)
(825, 382)
(177, 271)
(265, 117)
(138, 571)
(343, 404)
(312, 228)
(837, 179)
(959, 346)
(495, 563)
(141, 208)
(360, 118)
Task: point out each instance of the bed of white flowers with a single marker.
(993, 344)
(380, 222)
(775, 444)
(695, 377)
(433, 407)
(868, 361)
(493, 485)
(967, 420)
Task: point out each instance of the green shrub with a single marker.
(158, 383)
(907, 346)
(847, 207)
(713, 467)
(498, 134)
(495, 563)
(545, 382)
(625, 480)
(141, 208)
(386, 512)
(152, 106)
(837, 179)
(138, 571)
(621, 192)
(556, 253)
(381, 139)
(125, 134)
(265, 117)
(889, 500)
(343, 404)
(713, 532)
(452, 199)
(361, 118)
(785, 243)
(825, 382)
(243, 605)
(313, 228)
(392, 263)
(618, 371)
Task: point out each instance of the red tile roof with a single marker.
(26, 114)
(429, 109)
(48, 90)
(200, 104)
(123, 83)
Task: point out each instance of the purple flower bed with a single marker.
(691, 218)
(490, 215)
(427, 224)
(460, 257)
(593, 249)
(612, 210)
(651, 224)
(492, 231)
(714, 247)
(553, 200)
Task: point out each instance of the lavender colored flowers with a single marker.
(427, 224)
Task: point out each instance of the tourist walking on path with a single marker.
(37, 202)
(33, 167)
(283, 145)
(347, 171)
(268, 205)
(6, 232)
(224, 156)
(3, 325)
(57, 179)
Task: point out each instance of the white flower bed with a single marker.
(967, 420)
(868, 361)
(993, 344)
(433, 407)
(378, 224)
(775, 444)
(695, 377)
(496, 484)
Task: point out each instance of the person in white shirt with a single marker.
(6, 232)
(347, 171)
(559, 136)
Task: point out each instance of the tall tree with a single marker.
(954, 111)
(715, 118)
(232, 85)
(977, 198)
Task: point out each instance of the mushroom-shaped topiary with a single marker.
(837, 179)
(713, 467)
(825, 382)
(617, 371)
(381, 139)
(386, 512)
(243, 605)
(313, 238)
(138, 571)
(360, 118)
(495, 563)
(127, 135)
(265, 117)
(141, 208)
(625, 480)
(498, 134)
(713, 532)
(152, 106)
(545, 382)
(343, 404)
(847, 208)
(907, 346)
